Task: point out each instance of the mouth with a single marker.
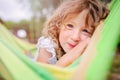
(71, 45)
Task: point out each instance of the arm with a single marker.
(68, 58)
(65, 60)
(43, 56)
(45, 50)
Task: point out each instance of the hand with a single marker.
(70, 57)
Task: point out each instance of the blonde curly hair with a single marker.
(96, 11)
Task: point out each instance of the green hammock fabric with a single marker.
(15, 65)
(110, 37)
(22, 45)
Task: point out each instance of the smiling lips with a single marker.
(71, 45)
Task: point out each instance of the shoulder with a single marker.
(45, 42)
(47, 46)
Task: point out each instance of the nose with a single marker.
(75, 36)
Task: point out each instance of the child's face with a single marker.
(74, 31)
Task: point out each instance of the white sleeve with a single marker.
(49, 45)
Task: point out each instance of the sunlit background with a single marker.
(25, 18)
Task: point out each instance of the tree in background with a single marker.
(41, 10)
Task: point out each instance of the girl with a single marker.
(67, 33)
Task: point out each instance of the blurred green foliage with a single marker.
(41, 10)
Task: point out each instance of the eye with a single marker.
(85, 30)
(69, 26)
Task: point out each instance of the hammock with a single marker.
(15, 65)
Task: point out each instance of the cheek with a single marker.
(64, 36)
(83, 37)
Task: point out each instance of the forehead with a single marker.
(77, 16)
